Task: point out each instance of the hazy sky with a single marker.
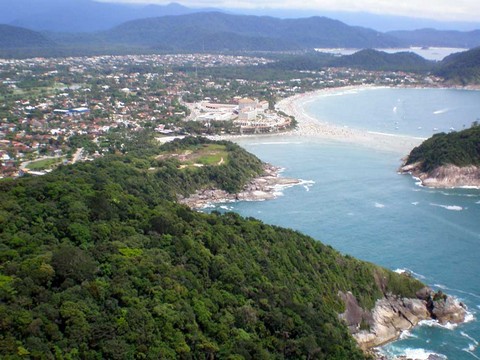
(450, 10)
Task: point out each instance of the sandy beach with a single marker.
(309, 126)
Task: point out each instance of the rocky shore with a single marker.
(446, 176)
(392, 315)
(264, 187)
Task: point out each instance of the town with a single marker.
(61, 110)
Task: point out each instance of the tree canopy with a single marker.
(460, 148)
(98, 261)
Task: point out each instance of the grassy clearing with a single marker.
(202, 155)
(45, 164)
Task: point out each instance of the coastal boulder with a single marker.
(447, 309)
(390, 316)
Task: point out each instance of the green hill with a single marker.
(463, 68)
(98, 261)
(17, 37)
(370, 59)
(457, 148)
(440, 38)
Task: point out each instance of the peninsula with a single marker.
(447, 160)
(100, 260)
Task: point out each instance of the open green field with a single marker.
(200, 155)
(45, 164)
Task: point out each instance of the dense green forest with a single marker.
(98, 261)
(462, 68)
(370, 59)
(17, 37)
(458, 148)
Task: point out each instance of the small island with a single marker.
(447, 160)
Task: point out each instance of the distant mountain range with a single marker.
(79, 15)
(217, 32)
(432, 37)
(181, 30)
(93, 15)
(15, 37)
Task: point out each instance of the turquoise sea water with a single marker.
(416, 112)
(354, 200)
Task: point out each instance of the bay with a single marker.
(353, 199)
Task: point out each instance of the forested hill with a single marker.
(218, 31)
(457, 148)
(97, 261)
(370, 59)
(463, 68)
(17, 37)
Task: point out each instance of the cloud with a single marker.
(445, 10)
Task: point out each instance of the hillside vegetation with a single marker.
(17, 37)
(463, 68)
(98, 261)
(218, 31)
(370, 59)
(457, 148)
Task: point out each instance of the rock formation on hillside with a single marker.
(392, 315)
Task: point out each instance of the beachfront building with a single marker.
(248, 115)
(264, 123)
(206, 111)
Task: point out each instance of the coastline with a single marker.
(392, 316)
(445, 177)
(261, 188)
(309, 126)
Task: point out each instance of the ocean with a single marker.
(352, 198)
(430, 53)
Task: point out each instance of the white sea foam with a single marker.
(443, 287)
(465, 335)
(415, 203)
(448, 207)
(406, 335)
(469, 317)
(460, 195)
(307, 184)
(408, 271)
(378, 205)
(441, 111)
(435, 323)
(279, 143)
(208, 206)
(421, 354)
(471, 352)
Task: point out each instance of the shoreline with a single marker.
(267, 186)
(309, 126)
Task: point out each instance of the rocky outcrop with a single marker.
(261, 188)
(392, 315)
(446, 176)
